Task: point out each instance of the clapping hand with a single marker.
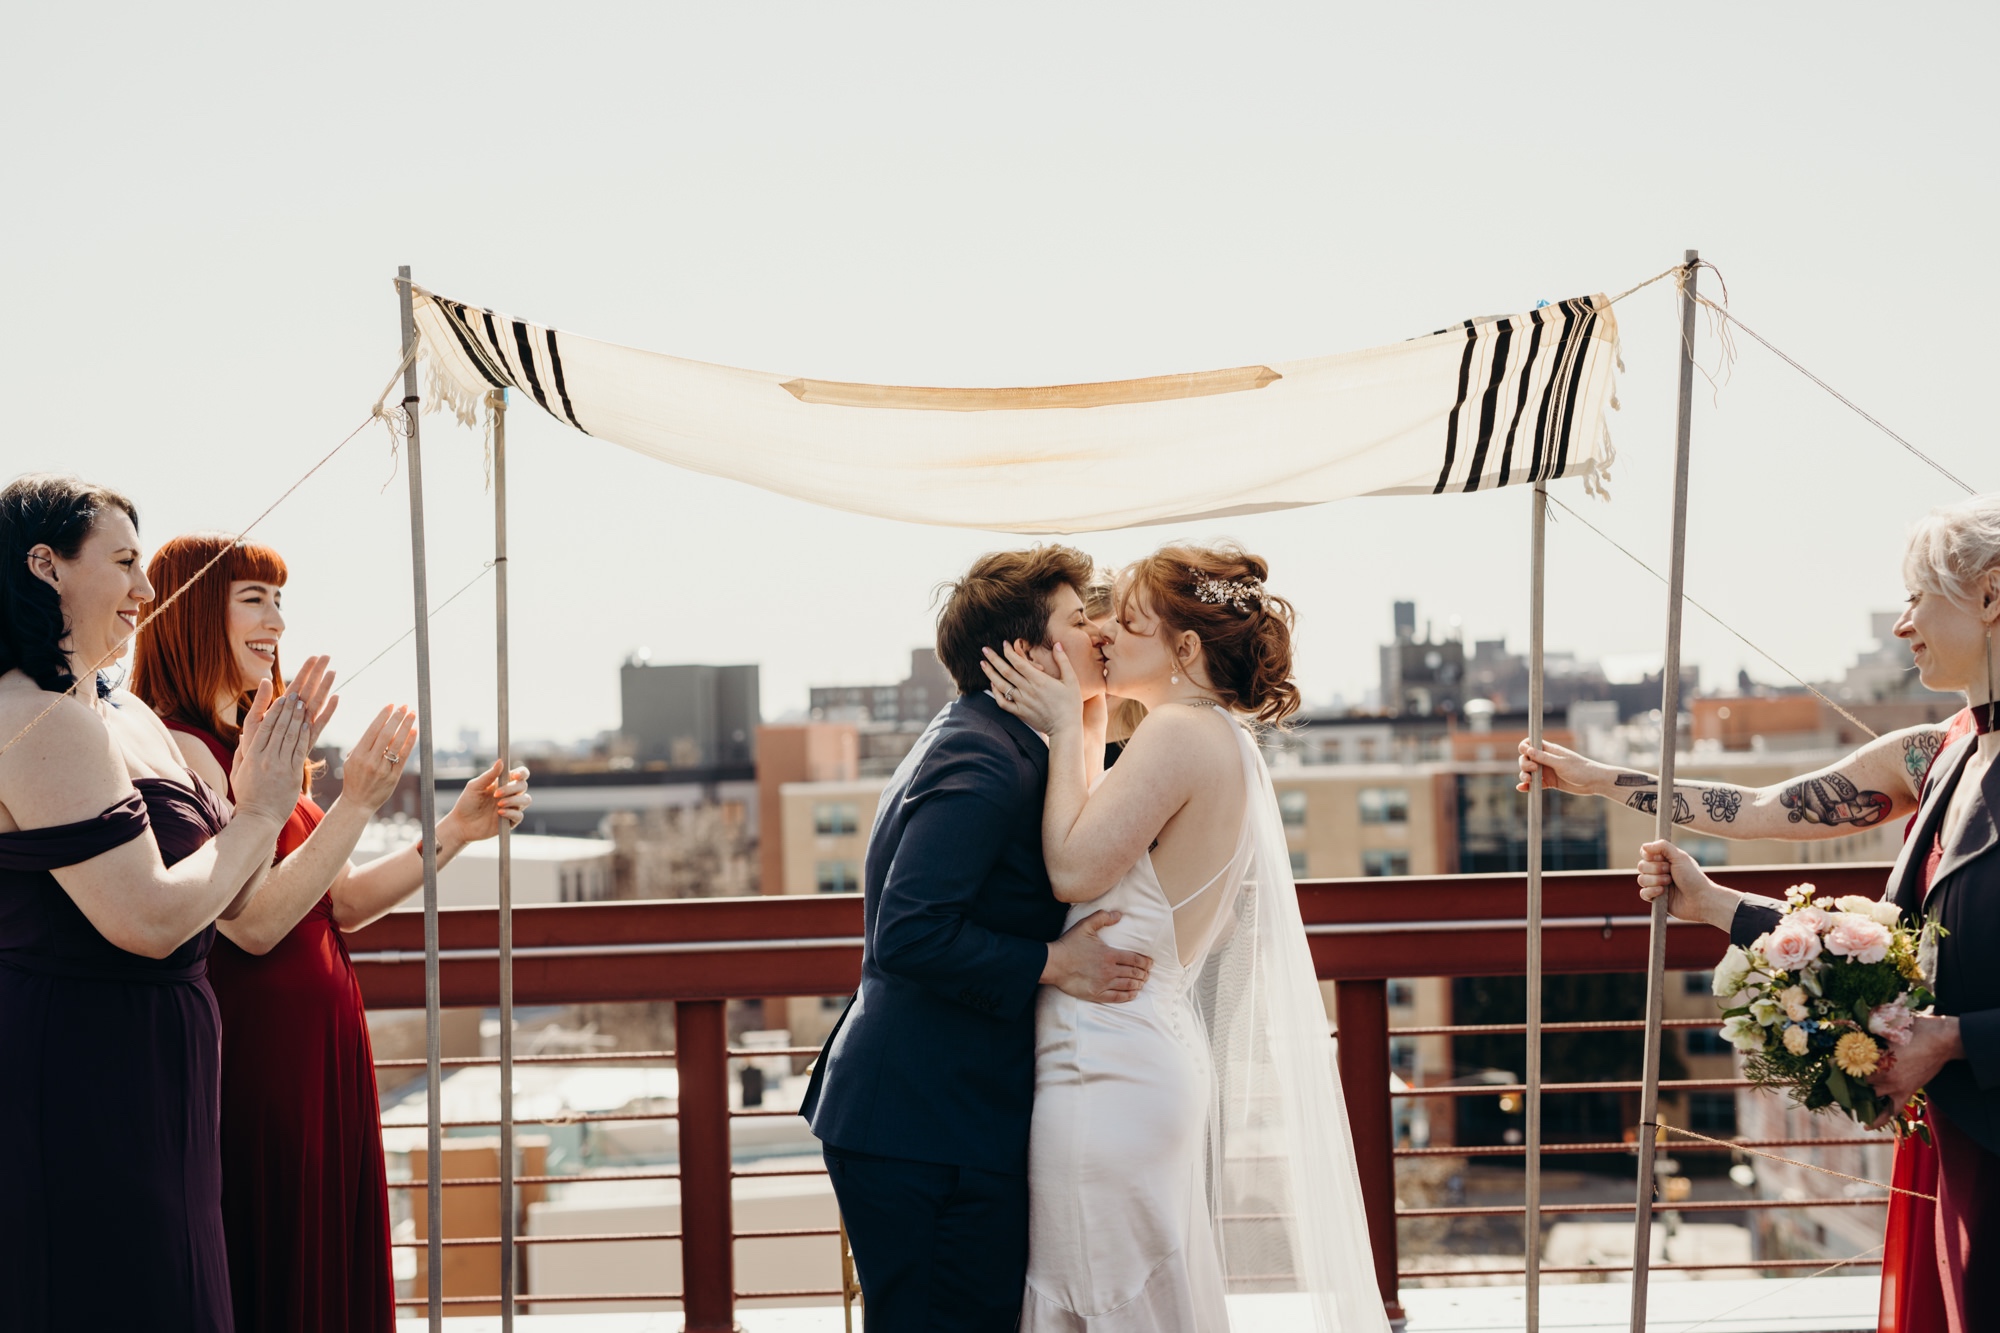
(271, 752)
(369, 774)
(1046, 701)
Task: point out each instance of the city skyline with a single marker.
(1131, 200)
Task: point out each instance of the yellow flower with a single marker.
(1795, 1039)
(1908, 966)
(1857, 1054)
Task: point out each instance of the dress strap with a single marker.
(40, 849)
(1212, 881)
(223, 755)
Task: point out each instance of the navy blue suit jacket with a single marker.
(934, 1058)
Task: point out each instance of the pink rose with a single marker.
(1810, 917)
(1893, 1021)
(1792, 946)
(1858, 937)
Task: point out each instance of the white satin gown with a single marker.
(1119, 1233)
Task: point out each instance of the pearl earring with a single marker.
(1174, 678)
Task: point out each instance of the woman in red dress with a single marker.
(305, 1200)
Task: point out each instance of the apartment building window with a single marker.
(1402, 994)
(1382, 861)
(1385, 805)
(1292, 807)
(1403, 1056)
(838, 877)
(834, 818)
(1706, 1041)
(1712, 1113)
(1697, 983)
(1298, 864)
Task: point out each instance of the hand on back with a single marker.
(1083, 965)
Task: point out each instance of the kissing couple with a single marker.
(1087, 1083)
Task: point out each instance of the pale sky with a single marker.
(204, 213)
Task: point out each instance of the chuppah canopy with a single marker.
(1494, 401)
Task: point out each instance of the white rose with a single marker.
(1854, 902)
(1743, 1033)
(1730, 972)
(1886, 914)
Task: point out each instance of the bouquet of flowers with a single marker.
(1824, 1000)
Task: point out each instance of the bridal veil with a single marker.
(1283, 1189)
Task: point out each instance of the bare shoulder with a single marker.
(1181, 735)
(61, 763)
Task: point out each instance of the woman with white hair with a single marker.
(1948, 874)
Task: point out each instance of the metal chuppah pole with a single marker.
(496, 402)
(427, 802)
(1670, 702)
(1532, 1236)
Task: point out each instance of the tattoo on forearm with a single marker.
(1636, 780)
(1648, 802)
(1834, 800)
(1722, 803)
(1919, 751)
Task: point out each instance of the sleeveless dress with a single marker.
(305, 1196)
(1119, 1234)
(110, 1166)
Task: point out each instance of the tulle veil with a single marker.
(1283, 1192)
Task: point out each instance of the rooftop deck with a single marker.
(1800, 1305)
(702, 953)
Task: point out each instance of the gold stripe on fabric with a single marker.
(1156, 389)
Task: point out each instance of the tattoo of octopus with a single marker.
(1722, 803)
(1834, 800)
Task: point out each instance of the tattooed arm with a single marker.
(1879, 781)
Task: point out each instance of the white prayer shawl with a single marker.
(1491, 402)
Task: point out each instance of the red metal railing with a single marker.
(701, 953)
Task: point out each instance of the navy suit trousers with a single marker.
(940, 1249)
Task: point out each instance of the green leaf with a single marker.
(1738, 1012)
(1861, 1013)
(1836, 1083)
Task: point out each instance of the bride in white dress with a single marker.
(1190, 1145)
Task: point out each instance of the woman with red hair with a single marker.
(305, 1202)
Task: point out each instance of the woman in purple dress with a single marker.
(114, 864)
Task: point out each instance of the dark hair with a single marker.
(43, 509)
(1006, 595)
(1245, 632)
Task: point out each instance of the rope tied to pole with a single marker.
(1809, 687)
(374, 413)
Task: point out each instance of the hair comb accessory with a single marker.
(1244, 593)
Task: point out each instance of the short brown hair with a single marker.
(1245, 632)
(1006, 595)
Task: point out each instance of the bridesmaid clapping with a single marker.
(304, 1193)
(114, 863)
